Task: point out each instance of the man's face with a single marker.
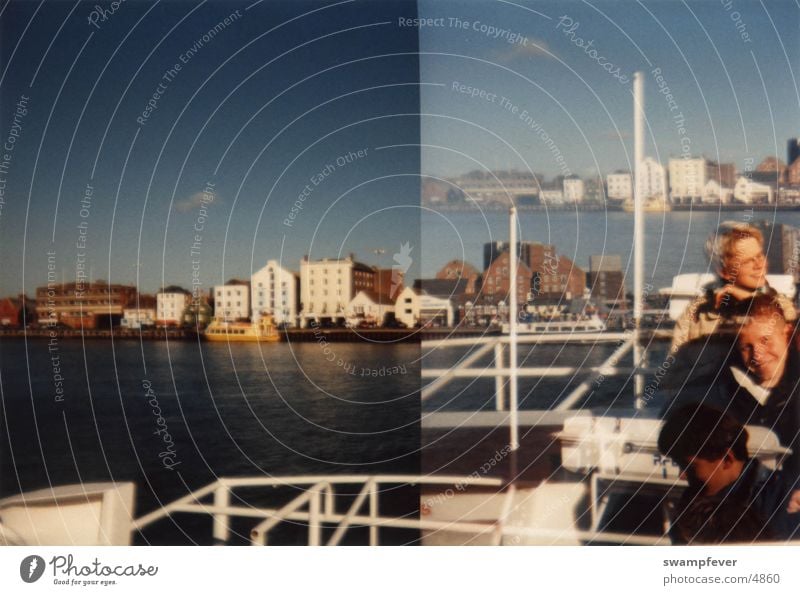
(764, 346)
(747, 268)
(710, 476)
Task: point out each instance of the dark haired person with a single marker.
(730, 497)
(760, 384)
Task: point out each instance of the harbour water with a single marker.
(173, 417)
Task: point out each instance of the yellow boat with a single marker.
(653, 205)
(262, 331)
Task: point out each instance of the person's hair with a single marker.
(721, 244)
(698, 430)
(762, 305)
(712, 520)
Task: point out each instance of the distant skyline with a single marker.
(730, 68)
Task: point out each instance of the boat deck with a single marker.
(465, 443)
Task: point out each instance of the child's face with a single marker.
(712, 475)
(747, 268)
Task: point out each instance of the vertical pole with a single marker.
(499, 380)
(314, 524)
(373, 512)
(638, 233)
(513, 317)
(221, 530)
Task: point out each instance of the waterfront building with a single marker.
(497, 280)
(553, 275)
(497, 188)
(793, 173)
(199, 313)
(389, 282)
(458, 269)
(275, 291)
(724, 173)
(232, 300)
(414, 306)
(170, 304)
(774, 170)
(83, 305)
(750, 192)
(713, 193)
(595, 190)
(574, 189)
(552, 196)
(491, 250)
(13, 311)
(619, 186)
(137, 318)
(687, 179)
(370, 306)
(652, 180)
(606, 281)
(792, 150)
(327, 286)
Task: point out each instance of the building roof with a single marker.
(377, 298)
(443, 288)
(174, 289)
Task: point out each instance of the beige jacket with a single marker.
(699, 321)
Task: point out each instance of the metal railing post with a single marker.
(314, 521)
(221, 525)
(373, 512)
(499, 380)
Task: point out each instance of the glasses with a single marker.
(754, 261)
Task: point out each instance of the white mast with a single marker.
(513, 316)
(638, 229)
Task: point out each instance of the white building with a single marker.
(574, 189)
(136, 318)
(327, 286)
(749, 192)
(619, 186)
(714, 193)
(552, 196)
(414, 307)
(275, 290)
(369, 306)
(170, 305)
(232, 301)
(652, 180)
(687, 179)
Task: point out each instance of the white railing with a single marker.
(508, 374)
(317, 508)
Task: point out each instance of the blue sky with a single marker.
(284, 89)
(259, 107)
(731, 67)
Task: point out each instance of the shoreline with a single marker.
(332, 335)
(594, 207)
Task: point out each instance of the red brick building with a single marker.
(458, 269)
(555, 276)
(497, 281)
(83, 305)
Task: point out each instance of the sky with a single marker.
(169, 142)
(731, 67)
(308, 124)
